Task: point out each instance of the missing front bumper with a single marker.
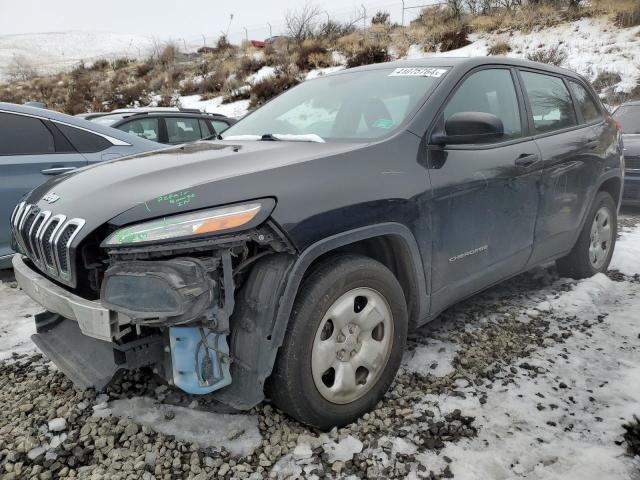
(89, 362)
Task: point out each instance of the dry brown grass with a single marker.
(500, 47)
(625, 13)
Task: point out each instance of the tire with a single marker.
(580, 262)
(341, 287)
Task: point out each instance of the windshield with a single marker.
(358, 105)
(628, 116)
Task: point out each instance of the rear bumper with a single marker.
(631, 190)
(93, 319)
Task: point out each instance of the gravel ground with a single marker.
(531, 379)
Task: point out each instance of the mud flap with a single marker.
(87, 362)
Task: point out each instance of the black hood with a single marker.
(172, 180)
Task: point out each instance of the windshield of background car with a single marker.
(628, 116)
(360, 105)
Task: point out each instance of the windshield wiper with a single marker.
(270, 137)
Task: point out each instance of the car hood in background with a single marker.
(631, 144)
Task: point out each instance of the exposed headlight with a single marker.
(185, 225)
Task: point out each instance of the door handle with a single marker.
(591, 143)
(526, 160)
(56, 170)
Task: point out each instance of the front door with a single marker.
(485, 196)
(31, 152)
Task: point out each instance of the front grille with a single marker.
(632, 163)
(46, 239)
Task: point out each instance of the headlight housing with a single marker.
(192, 224)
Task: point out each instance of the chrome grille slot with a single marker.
(46, 239)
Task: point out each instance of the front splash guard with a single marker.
(87, 361)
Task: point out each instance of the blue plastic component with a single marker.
(203, 375)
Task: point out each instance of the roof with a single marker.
(470, 62)
(73, 121)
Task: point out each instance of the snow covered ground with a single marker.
(531, 379)
(55, 51)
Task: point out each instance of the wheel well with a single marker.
(393, 252)
(613, 187)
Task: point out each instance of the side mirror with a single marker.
(469, 127)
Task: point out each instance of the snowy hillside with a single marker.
(590, 46)
(56, 51)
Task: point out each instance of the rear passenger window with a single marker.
(181, 130)
(22, 135)
(83, 141)
(143, 127)
(586, 104)
(551, 103)
(489, 91)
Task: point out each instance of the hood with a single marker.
(631, 143)
(173, 180)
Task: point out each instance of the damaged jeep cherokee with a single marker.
(288, 258)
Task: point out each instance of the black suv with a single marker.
(170, 126)
(628, 117)
(290, 258)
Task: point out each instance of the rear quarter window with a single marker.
(586, 104)
(83, 141)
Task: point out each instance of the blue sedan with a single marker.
(36, 144)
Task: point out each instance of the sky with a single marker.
(164, 19)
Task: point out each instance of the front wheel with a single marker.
(593, 251)
(343, 345)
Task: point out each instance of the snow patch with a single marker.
(207, 429)
(435, 358)
(214, 105)
(16, 321)
(626, 256)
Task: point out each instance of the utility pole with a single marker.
(270, 30)
(204, 40)
(228, 26)
(402, 13)
(246, 33)
(364, 17)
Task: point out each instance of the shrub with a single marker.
(168, 55)
(311, 54)
(144, 68)
(121, 62)
(555, 55)
(369, 54)
(606, 80)
(99, 65)
(350, 44)
(268, 88)
(249, 64)
(499, 47)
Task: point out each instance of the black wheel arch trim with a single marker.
(260, 339)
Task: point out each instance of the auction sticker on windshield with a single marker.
(418, 72)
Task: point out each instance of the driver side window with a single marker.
(489, 91)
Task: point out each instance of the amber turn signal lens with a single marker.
(225, 222)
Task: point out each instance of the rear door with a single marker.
(569, 146)
(485, 196)
(32, 150)
(185, 130)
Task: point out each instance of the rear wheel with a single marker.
(343, 345)
(593, 251)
